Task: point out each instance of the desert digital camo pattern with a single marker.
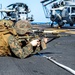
(4, 35)
(4, 50)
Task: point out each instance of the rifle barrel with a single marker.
(55, 36)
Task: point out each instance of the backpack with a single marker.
(4, 50)
(5, 31)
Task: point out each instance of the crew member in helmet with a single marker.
(20, 43)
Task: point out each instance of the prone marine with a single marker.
(16, 40)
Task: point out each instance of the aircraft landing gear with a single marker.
(71, 24)
(52, 24)
(60, 24)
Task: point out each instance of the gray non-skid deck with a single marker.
(62, 49)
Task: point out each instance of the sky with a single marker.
(34, 5)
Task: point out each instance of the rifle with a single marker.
(42, 34)
(49, 34)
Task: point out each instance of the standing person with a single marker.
(21, 45)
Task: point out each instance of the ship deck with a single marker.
(61, 50)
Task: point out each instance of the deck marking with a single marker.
(59, 64)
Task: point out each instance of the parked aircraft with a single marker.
(59, 11)
(16, 11)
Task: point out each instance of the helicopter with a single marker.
(60, 12)
(15, 12)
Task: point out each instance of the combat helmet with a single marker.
(22, 27)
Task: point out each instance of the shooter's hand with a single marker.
(35, 42)
(45, 40)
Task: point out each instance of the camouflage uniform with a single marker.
(25, 51)
(19, 49)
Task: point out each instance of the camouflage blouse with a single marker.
(23, 52)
